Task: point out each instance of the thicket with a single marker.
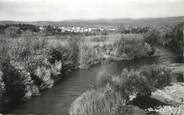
(112, 94)
(133, 47)
(29, 65)
(171, 37)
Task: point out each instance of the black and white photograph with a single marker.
(92, 57)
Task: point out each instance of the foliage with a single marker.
(7, 28)
(17, 81)
(30, 65)
(123, 29)
(171, 37)
(88, 55)
(157, 76)
(30, 50)
(151, 36)
(103, 101)
(111, 94)
(176, 42)
(142, 82)
(68, 54)
(12, 31)
(133, 47)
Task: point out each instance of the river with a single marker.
(58, 99)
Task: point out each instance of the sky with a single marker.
(57, 10)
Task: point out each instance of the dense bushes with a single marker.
(17, 81)
(133, 47)
(157, 76)
(112, 94)
(17, 29)
(30, 65)
(103, 101)
(171, 37)
(88, 55)
(143, 81)
(127, 47)
(67, 54)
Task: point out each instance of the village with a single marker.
(77, 29)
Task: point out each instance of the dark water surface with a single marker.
(58, 99)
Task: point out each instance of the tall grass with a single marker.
(103, 101)
(88, 54)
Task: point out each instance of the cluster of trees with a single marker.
(13, 29)
(136, 30)
(133, 47)
(171, 37)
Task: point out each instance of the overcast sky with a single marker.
(56, 10)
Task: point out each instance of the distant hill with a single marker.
(107, 22)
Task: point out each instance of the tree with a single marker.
(12, 31)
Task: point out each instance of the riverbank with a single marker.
(113, 94)
(33, 64)
(58, 99)
(162, 92)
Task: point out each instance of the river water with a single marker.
(58, 99)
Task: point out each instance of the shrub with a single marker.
(157, 76)
(133, 82)
(151, 36)
(17, 81)
(111, 94)
(12, 31)
(20, 57)
(66, 54)
(29, 50)
(44, 75)
(102, 102)
(4, 48)
(88, 55)
(171, 37)
(133, 47)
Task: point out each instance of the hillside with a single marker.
(108, 22)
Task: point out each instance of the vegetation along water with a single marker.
(115, 69)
